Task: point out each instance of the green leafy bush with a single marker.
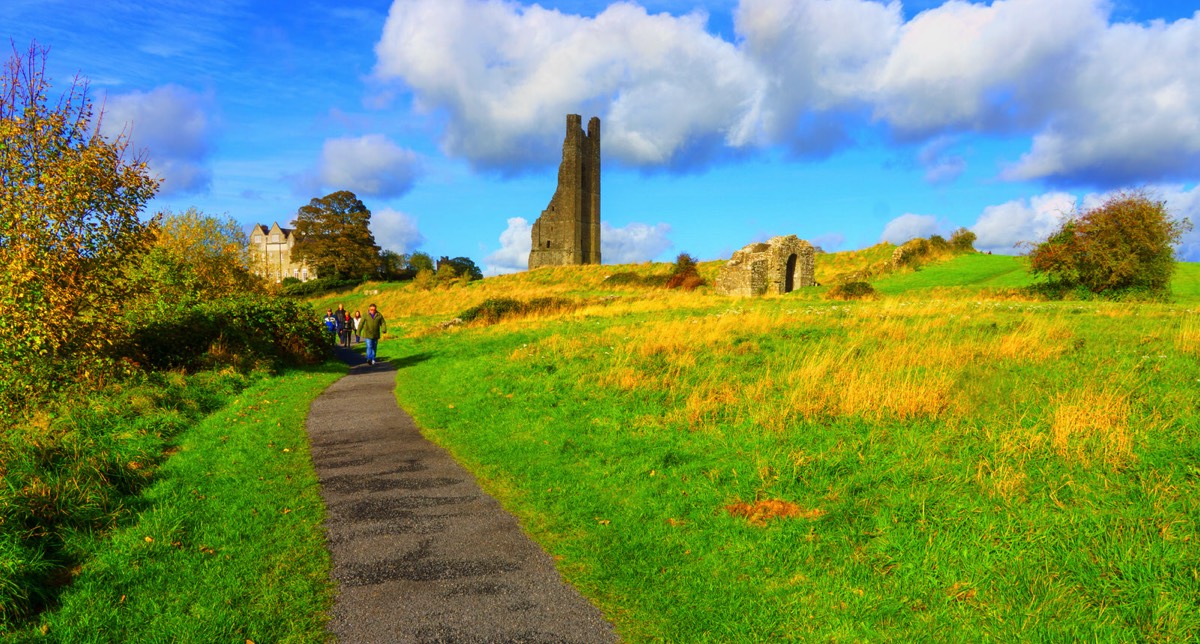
(962, 240)
(240, 331)
(852, 291)
(494, 310)
(319, 285)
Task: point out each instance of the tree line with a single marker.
(333, 237)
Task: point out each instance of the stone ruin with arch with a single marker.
(776, 266)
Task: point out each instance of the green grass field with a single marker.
(226, 544)
(948, 462)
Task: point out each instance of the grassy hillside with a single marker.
(928, 464)
(976, 271)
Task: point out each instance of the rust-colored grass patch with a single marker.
(760, 512)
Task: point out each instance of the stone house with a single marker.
(777, 266)
(271, 251)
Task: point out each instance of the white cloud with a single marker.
(173, 126)
(515, 244)
(940, 166)
(633, 243)
(395, 231)
(1131, 113)
(982, 66)
(665, 89)
(1000, 228)
(818, 57)
(1103, 103)
(828, 242)
(909, 226)
(368, 165)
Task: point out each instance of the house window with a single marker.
(274, 239)
(305, 275)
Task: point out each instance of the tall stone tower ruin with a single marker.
(568, 232)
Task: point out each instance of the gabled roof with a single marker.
(286, 232)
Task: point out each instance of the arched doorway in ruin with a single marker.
(790, 274)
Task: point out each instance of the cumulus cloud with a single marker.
(173, 126)
(982, 66)
(909, 226)
(395, 231)
(818, 59)
(1131, 110)
(369, 165)
(506, 74)
(515, 244)
(1000, 228)
(1104, 104)
(633, 243)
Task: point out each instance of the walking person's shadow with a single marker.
(358, 360)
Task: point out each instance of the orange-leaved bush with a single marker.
(1124, 245)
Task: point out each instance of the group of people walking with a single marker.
(366, 328)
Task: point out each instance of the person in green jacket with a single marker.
(371, 327)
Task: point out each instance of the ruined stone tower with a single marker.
(568, 232)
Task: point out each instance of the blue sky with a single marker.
(842, 121)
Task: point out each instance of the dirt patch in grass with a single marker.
(760, 512)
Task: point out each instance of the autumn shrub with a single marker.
(852, 291)
(685, 281)
(684, 275)
(192, 257)
(1123, 247)
(69, 222)
(911, 252)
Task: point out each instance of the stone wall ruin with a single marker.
(568, 232)
(777, 266)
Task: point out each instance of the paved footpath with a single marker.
(420, 553)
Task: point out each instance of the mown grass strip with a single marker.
(230, 547)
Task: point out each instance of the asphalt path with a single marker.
(420, 553)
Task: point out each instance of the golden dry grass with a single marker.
(1187, 340)
(1092, 425)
